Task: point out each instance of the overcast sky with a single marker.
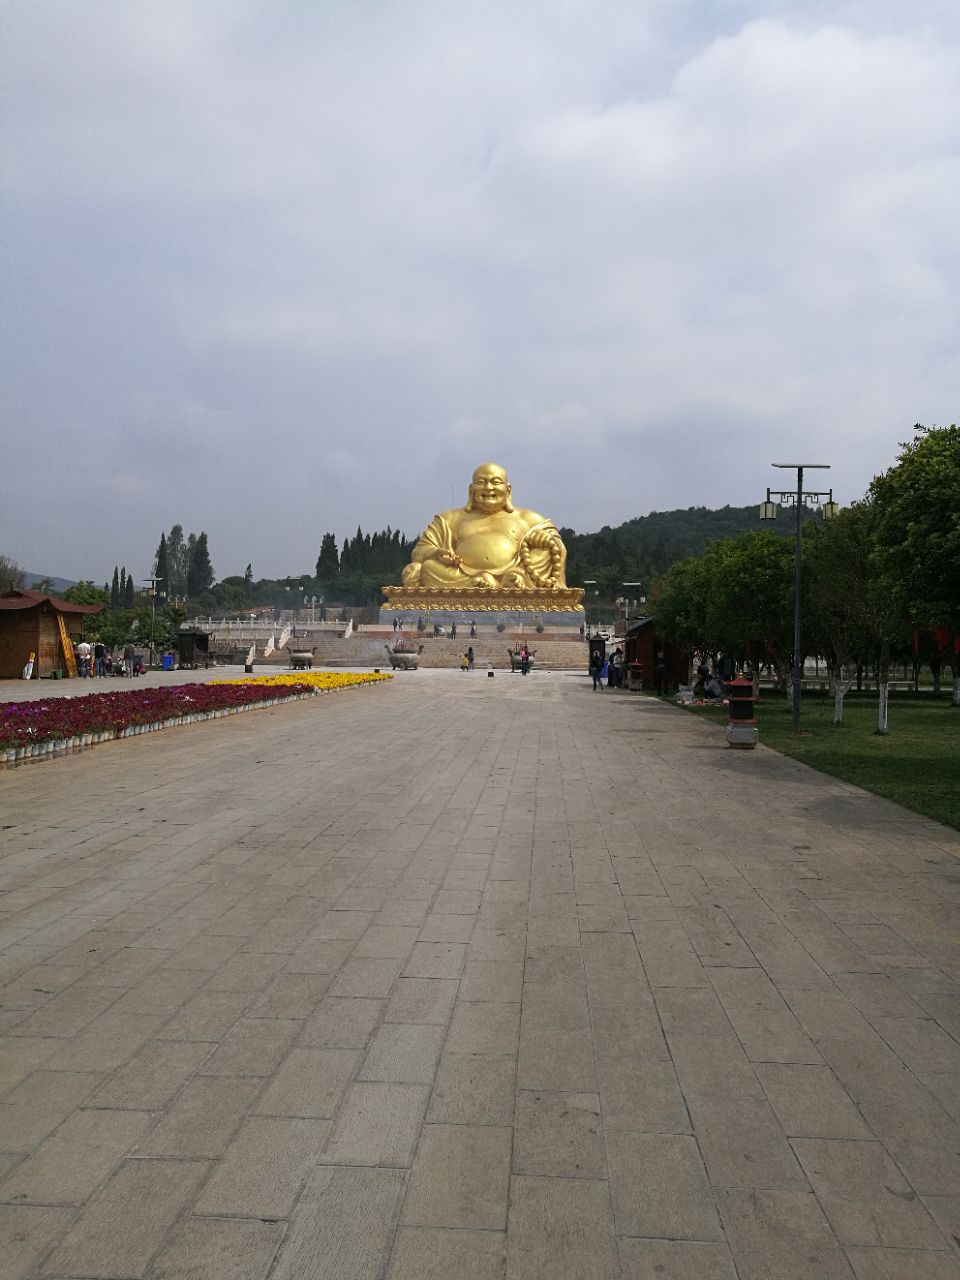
(285, 266)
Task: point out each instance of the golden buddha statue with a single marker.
(489, 545)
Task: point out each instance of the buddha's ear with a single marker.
(469, 505)
(508, 505)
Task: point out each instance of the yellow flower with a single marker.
(322, 681)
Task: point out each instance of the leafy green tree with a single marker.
(86, 593)
(680, 606)
(917, 505)
(839, 579)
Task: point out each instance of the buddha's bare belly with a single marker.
(486, 552)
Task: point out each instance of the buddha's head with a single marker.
(489, 489)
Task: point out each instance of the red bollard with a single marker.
(742, 728)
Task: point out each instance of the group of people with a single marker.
(439, 630)
(604, 668)
(96, 660)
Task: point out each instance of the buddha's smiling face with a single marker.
(490, 489)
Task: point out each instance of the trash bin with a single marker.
(166, 662)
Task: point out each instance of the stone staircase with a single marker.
(490, 647)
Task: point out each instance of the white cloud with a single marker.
(541, 233)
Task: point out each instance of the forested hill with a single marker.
(645, 546)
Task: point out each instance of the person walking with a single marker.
(99, 658)
(524, 659)
(596, 669)
(659, 675)
(470, 657)
(453, 631)
(83, 653)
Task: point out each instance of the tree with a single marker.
(200, 570)
(86, 593)
(248, 577)
(123, 586)
(839, 585)
(176, 563)
(680, 606)
(115, 598)
(328, 561)
(129, 595)
(162, 569)
(917, 505)
(11, 575)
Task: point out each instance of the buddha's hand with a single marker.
(542, 539)
(449, 557)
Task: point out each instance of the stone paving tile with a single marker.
(378, 1124)
(558, 1135)
(902, 1264)
(460, 1178)
(560, 1229)
(39, 1104)
(472, 955)
(202, 1119)
(26, 1232)
(403, 1053)
(675, 1260)
(742, 1144)
(781, 1235)
(69, 1166)
(341, 1023)
(262, 1170)
(424, 1253)
(343, 1225)
(147, 1197)
(309, 1083)
(219, 1249)
(660, 1187)
(810, 1102)
(865, 1197)
(471, 1089)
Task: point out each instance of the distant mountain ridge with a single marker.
(56, 584)
(645, 546)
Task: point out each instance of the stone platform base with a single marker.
(485, 599)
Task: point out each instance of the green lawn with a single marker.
(917, 763)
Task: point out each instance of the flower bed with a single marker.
(38, 730)
(56, 725)
(315, 679)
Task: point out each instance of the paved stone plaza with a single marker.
(460, 978)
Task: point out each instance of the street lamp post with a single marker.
(589, 582)
(768, 511)
(152, 584)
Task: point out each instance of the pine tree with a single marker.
(129, 599)
(115, 589)
(248, 576)
(200, 570)
(123, 586)
(328, 562)
(176, 562)
(162, 570)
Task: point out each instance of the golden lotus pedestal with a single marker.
(486, 599)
